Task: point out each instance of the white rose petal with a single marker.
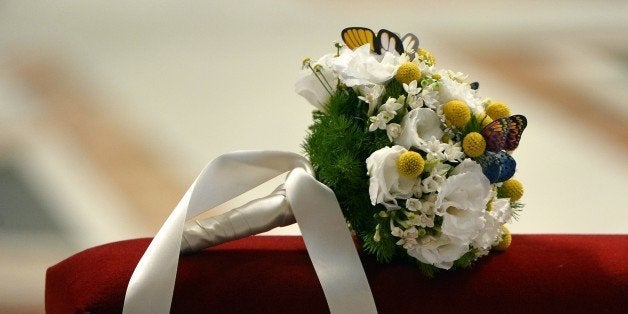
(488, 233)
(439, 251)
(418, 126)
(451, 89)
(360, 67)
(462, 199)
(385, 183)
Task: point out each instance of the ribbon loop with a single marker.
(314, 205)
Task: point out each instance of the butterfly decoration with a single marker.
(497, 167)
(501, 134)
(504, 133)
(385, 40)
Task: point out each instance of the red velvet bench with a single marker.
(538, 273)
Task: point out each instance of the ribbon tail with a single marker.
(151, 285)
(329, 244)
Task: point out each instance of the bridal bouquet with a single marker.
(420, 163)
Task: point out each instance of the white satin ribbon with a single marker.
(314, 205)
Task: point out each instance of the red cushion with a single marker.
(548, 273)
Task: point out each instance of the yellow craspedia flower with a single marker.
(426, 56)
(408, 72)
(410, 164)
(484, 119)
(505, 241)
(512, 189)
(497, 110)
(457, 113)
(473, 144)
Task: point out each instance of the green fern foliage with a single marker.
(338, 145)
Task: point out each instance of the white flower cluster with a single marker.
(443, 213)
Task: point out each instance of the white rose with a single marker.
(311, 88)
(360, 67)
(500, 213)
(451, 89)
(440, 251)
(462, 199)
(385, 183)
(418, 126)
(488, 233)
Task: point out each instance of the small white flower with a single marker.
(386, 116)
(408, 237)
(412, 88)
(426, 70)
(414, 101)
(396, 231)
(453, 152)
(371, 95)
(434, 149)
(377, 123)
(417, 191)
(391, 105)
(385, 183)
(421, 220)
(380, 121)
(393, 130)
(429, 208)
(432, 183)
(435, 179)
(413, 204)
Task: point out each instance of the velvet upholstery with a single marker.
(538, 273)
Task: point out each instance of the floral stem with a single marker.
(316, 73)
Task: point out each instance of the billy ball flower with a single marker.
(512, 189)
(505, 241)
(426, 56)
(408, 72)
(410, 164)
(457, 113)
(497, 110)
(473, 144)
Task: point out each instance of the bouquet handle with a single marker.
(257, 216)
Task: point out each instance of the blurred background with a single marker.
(109, 109)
